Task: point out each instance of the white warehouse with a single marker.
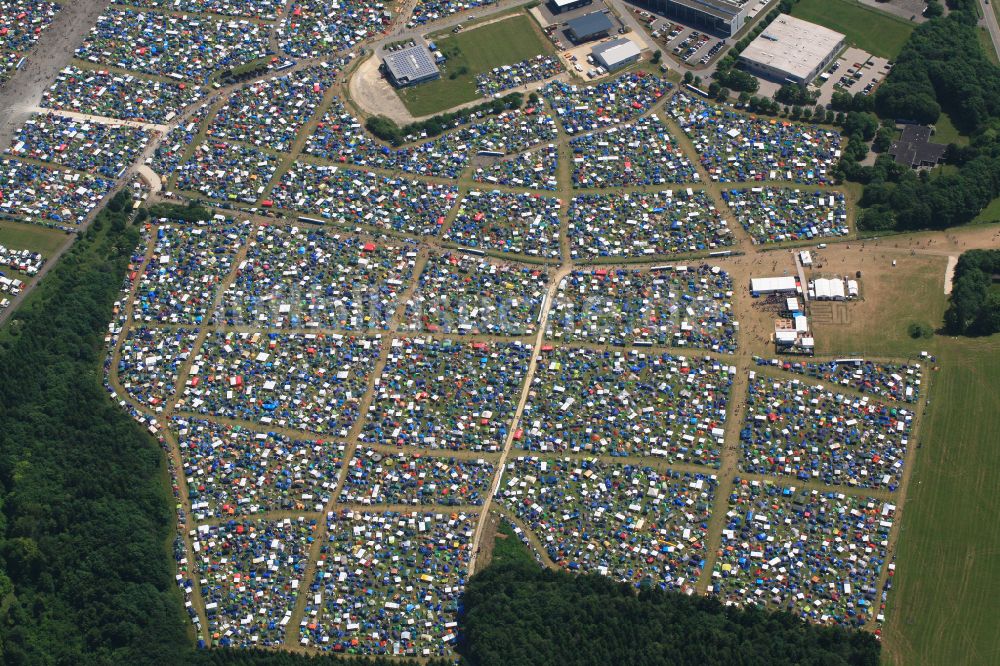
(791, 50)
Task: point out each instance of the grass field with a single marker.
(945, 601)
(946, 132)
(876, 32)
(987, 44)
(472, 52)
(892, 298)
(989, 214)
(31, 237)
(508, 549)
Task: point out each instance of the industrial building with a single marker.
(560, 6)
(589, 27)
(410, 66)
(915, 149)
(717, 16)
(616, 54)
(791, 50)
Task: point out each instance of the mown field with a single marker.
(471, 52)
(31, 237)
(944, 606)
(876, 32)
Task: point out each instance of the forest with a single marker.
(974, 305)
(942, 68)
(518, 613)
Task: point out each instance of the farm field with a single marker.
(473, 51)
(31, 237)
(876, 32)
(942, 610)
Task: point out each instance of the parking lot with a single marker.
(853, 72)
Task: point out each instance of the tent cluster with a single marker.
(94, 148)
(640, 153)
(585, 108)
(510, 222)
(374, 477)
(773, 215)
(181, 279)
(627, 403)
(117, 95)
(362, 197)
(311, 277)
(305, 381)
(339, 136)
(815, 554)
(150, 360)
(465, 294)
(50, 196)
(388, 583)
(21, 24)
(233, 470)
(889, 381)
(678, 306)
(534, 169)
(270, 113)
(185, 48)
(737, 147)
(250, 573)
(506, 77)
(796, 428)
(645, 224)
(636, 524)
(316, 28)
(443, 394)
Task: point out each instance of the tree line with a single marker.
(518, 613)
(942, 68)
(974, 305)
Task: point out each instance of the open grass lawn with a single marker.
(876, 32)
(32, 237)
(945, 602)
(989, 214)
(946, 132)
(892, 298)
(472, 52)
(987, 44)
(508, 548)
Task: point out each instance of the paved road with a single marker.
(990, 21)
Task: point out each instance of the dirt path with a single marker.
(949, 273)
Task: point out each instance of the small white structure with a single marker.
(805, 258)
(792, 304)
(773, 285)
(616, 54)
(828, 289)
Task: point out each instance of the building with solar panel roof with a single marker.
(410, 66)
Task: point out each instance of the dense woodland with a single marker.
(942, 68)
(975, 299)
(521, 614)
